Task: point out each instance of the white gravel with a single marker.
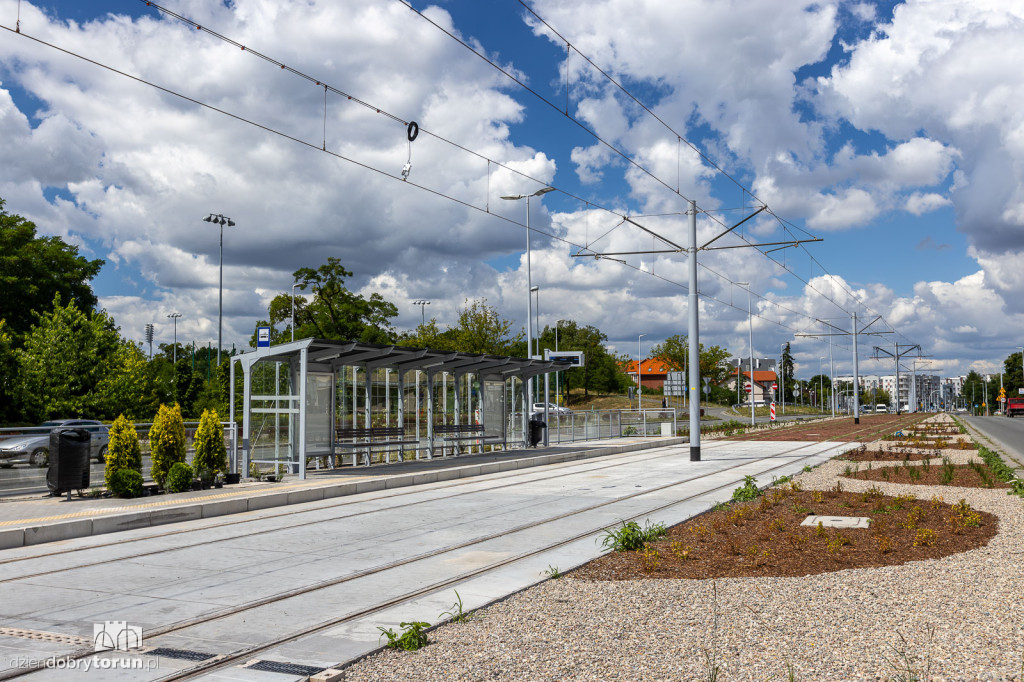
(846, 625)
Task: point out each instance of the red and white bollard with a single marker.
(773, 411)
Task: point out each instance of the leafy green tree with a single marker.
(675, 349)
(123, 452)
(166, 441)
(480, 329)
(127, 385)
(602, 371)
(34, 270)
(63, 360)
(334, 313)
(1012, 377)
(210, 452)
(10, 378)
(429, 335)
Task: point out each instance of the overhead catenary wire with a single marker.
(377, 170)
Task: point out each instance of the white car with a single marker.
(552, 409)
(881, 408)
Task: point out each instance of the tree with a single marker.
(166, 442)
(676, 350)
(34, 270)
(1012, 378)
(211, 456)
(480, 329)
(10, 379)
(787, 372)
(602, 371)
(63, 360)
(123, 452)
(127, 385)
(334, 313)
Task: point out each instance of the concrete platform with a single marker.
(34, 520)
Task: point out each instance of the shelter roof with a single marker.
(330, 354)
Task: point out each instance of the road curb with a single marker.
(37, 534)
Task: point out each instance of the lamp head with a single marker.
(514, 197)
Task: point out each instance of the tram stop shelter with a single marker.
(327, 403)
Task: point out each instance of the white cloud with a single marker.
(919, 203)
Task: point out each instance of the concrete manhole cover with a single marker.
(838, 521)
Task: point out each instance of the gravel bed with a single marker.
(834, 626)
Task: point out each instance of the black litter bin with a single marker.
(69, 460)
(537, 427)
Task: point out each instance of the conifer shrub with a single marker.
(166, 442)
(211, 455)
(179, 478)
(123, 451)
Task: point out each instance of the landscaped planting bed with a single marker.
(863, 454)
(764, 537)
(972, 475)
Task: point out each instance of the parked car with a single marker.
(881, 408)
(34, 448)
(552, 409)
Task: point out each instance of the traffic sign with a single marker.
(746, 387)
(796, 391)
(775, 386)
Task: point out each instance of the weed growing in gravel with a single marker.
(712, 668)
(906, 666)
(552, 572)
(455, 613)
(807, 468)
(631, 537)
(746, 492)
(411, 638)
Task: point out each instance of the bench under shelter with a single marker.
(324, 404)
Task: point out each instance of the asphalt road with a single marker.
(1006, 432)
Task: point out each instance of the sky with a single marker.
(891, 132)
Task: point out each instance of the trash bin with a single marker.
(69, 460)
(537, 427)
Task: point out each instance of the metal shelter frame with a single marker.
(307, 356)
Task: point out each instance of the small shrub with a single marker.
(701, 530)
(796, 541)
(209, 444)
(680, 551)
(820, 531)
(125, 483)
(736, 516)
(166, 442)
(884, 543)
(179, 478)
(123, 451)
(411, 638)
(255, 472)
(777, 525)
(650, 558)
(746, 492)
(925, 537)
(631, 537)
(818, 496)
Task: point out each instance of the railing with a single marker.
(602, 424)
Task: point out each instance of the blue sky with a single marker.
(838, 116)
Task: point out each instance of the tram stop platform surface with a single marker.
(39, 518)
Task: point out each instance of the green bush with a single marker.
(631, 537)
(211, 455)
(179, 478)
(125, 483)
(748, 491)
(123, 451)
(166, 441)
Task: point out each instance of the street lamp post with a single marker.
(174, 351)
(529, 279)
(558, 386)
(293, 311)
(750, 318)
(221, 220)
(821, 385)
(422, 303)
(639, 369)
(782, 376)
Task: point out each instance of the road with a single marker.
(1007, 433)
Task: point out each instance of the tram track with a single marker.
(872, 429)
(275, 599)
(230, 659)
(626, 459)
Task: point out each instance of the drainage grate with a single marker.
(181, 654)
(54, 637)
(286, 668)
